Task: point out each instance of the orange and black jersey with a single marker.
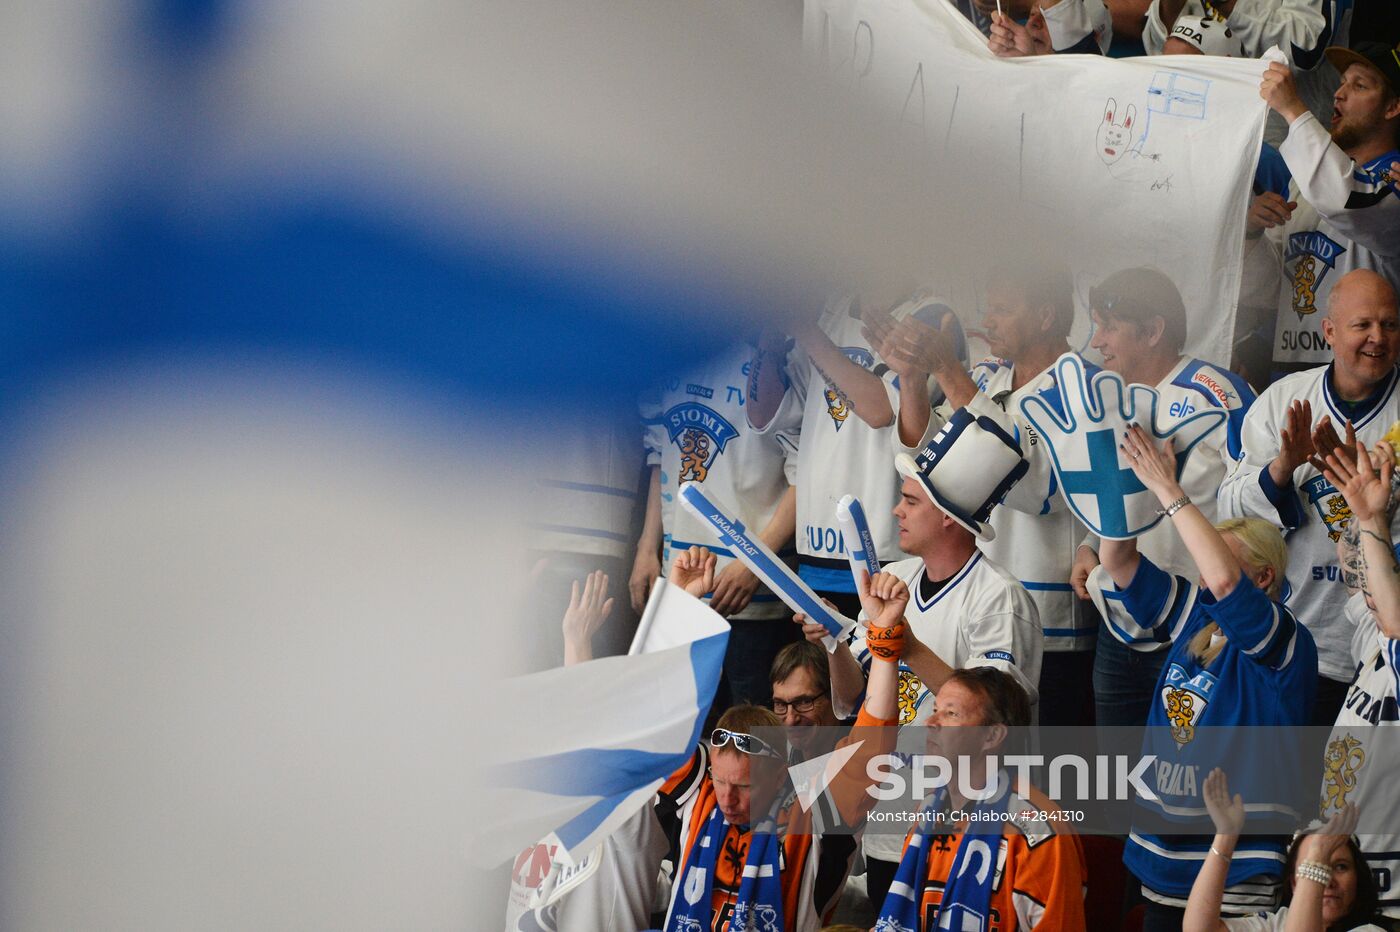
(812, 865)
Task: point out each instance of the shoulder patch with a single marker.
(1222, 391)
(1031, 821)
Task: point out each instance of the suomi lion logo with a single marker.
(1344, 757)
(838, 406)
(701, 434)
(1331, 507)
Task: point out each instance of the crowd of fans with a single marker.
(1269, 594)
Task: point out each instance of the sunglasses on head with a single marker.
(748, 744)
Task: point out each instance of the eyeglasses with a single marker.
(749, 744)
(801, 704)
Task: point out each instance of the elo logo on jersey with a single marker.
(701, 435)
(1330, 506)
(837, 405)
(1310, 255)
(1181, 408)
(1185, 700)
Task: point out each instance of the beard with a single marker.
(1346, 135)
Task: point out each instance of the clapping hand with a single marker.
(694, 571)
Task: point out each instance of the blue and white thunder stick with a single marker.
(772, 572)
(855, 530)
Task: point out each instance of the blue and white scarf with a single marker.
(967, 896)
(758, 905)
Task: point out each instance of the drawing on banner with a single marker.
(1115, 137)
(1122, 138)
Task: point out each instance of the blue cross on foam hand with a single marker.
(1083, 438)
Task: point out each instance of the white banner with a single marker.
(1143, 161)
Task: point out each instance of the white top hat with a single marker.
(967, 469)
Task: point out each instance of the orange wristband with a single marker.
(886, 643)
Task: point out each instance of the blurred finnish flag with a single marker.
(617, 728)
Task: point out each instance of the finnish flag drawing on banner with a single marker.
(1083, 439)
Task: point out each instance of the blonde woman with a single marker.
(1238, 657)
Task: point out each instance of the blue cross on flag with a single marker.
(1093, 475)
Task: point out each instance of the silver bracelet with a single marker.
(1219, 854)
(1174, 507)
(1315, 871)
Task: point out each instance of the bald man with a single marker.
(1274, 480)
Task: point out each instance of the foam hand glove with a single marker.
(1083, 433)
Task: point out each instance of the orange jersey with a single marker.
(812, 867)
(1040, 875)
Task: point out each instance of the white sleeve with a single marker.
(1154, 31)
(1240, 494)
(1007, 635)
(1070, 22)
(1364, 629)
(653, 431)
(1288, 24)
(788, 418)
(1326, 178)
(619, 893)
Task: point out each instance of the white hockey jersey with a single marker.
(1348, 217)
(1310, 512)
(1192, 385)
(838, 454)
(1036, 536)
(982, 617)
(1363, 753)
(696, 430)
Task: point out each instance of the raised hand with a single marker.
(694, 571)
(1326, 441)
(1323, 844)
(1225, 811)
(1366, 489)
(883, 597)
(1009, 39)
(1154, 466)
(588, 607)
(1295, 443)
(1280, 92)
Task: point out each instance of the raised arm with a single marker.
(1203, 908)
(766, 386)
(862, 388)
(1317, 851)
(1367, 492)
(589, 606)
(884, 598)
(1156, 469)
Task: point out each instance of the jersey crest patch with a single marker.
(1311, 255)
(1331, 507)
(838, 406)
(1185, 699)
(701, 434)
(1344, 757)
(910, 688)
